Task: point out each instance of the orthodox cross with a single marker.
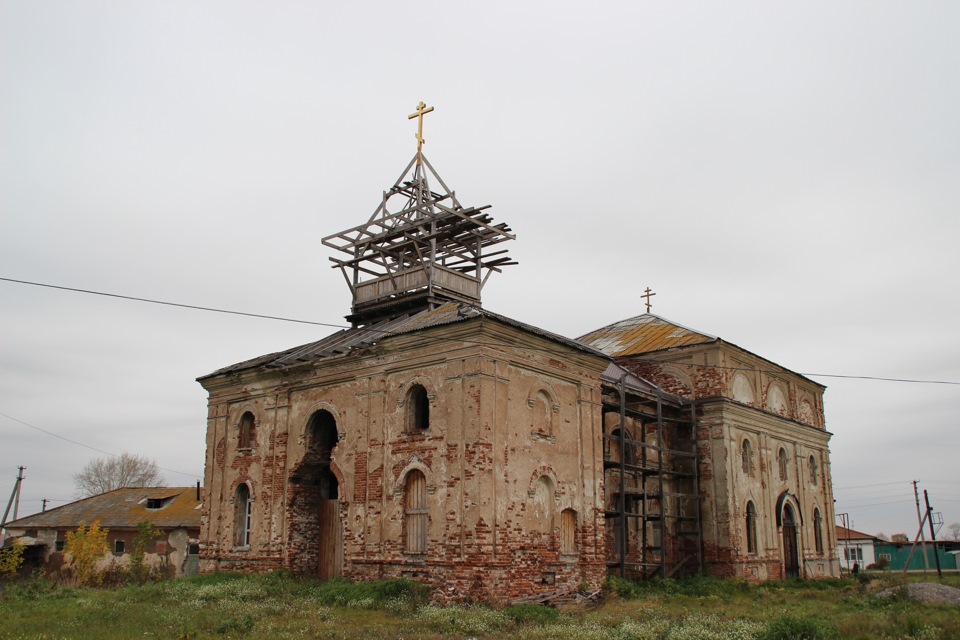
(648, 294)
(422, 110)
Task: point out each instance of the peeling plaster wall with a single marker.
(500, 419)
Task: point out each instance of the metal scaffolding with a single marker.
(650, 479)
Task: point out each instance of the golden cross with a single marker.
(648, 294)
(422, 110)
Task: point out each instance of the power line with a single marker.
(114, 455)
(457, 340)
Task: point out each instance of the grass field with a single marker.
(280, 606)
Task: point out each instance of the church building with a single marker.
(439, 441)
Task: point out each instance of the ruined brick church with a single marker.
(438, 441)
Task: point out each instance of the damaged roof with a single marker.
(164, 507)
(368, 335)
(643, 334)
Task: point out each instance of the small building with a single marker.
(902, 555)
(174, 511)
(856, 546)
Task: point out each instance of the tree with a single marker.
(106, 474)
(882, 536)
(954, 530)
(899, 537)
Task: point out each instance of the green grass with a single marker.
(281, 606)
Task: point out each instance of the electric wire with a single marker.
(387, 333)
(87, 446)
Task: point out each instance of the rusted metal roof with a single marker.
(369, 335)
(122, 509)
(615, 375)
(643, 334)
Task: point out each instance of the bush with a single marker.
(798, 628)
(531, 614)
(11, 559)
(86, 545)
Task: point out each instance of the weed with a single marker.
(798, 628)
(531, 614)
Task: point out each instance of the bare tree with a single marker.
(899, 537)
(106, 474)
(882, 536)
(954, 530)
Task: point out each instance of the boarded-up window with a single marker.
(812, 464)
(751, 528)
(568, 531)
(245, 437)
(782, 464)
(818, 531)
(416, 516)
(418, 412)
(243, 506)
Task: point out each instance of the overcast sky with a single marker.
(783, 175)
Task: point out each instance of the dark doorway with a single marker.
(791, 558)
(316, 542)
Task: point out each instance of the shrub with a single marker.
(11, 559)
(146, 534)
(86, 545)
(531, 614)
(798, 628)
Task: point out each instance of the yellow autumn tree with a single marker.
(11, 558)
(86, 545)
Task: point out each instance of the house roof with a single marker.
(849, 534)
(369, 335)
(642, 334)
(122, 509)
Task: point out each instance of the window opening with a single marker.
(419, 412)
(782, 464)
(817, 532)
(751, 528)
(243, 507)
(245, 437)
(747, 455)
(813, 470)
(118, 546)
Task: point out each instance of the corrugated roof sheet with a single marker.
(368, 335)
(121, 509)
(643, 334)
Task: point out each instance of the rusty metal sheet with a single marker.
(642, 334)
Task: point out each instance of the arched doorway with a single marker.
(791, 557)
(316, 539)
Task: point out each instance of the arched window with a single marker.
(782, 464)
(751, 528)
(243, 505)
(812, 465)
(415, 514)
(418, 409)
(568, 531)
(747, 457)
(246, 434)
(817, 531)
(628, 447)
(322, 434)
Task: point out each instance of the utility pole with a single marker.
(923, 539)
(845, 519)
(933, 533)
(44, 508)
(14, 497)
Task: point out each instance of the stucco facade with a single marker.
(511, 459)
